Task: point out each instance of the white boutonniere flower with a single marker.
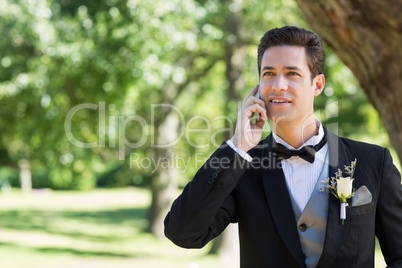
(342, 187)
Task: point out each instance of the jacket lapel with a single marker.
(335, 232)
(279, 202)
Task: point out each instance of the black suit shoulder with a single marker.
(371, 153)
(349, 143)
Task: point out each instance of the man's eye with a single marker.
(293, 73)
(268, 73)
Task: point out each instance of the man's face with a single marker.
(286, 86)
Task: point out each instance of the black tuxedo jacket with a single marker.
(228, 189)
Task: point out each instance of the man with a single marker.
(273, 188)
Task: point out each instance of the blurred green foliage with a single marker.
(118, 58)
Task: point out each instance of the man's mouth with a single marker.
(279, 101)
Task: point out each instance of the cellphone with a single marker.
(258, 115)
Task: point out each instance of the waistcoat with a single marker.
(312, 222)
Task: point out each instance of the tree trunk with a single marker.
(165, 179)
(25, 175)
(366, 36)
(164, 182)
(227, 244)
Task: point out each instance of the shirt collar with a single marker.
(312, 141)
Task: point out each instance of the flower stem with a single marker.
(343, 212)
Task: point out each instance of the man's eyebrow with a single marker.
(292, 68)
(286, 68)
(268, 68)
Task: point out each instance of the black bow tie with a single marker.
(307, 152)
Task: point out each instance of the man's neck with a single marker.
(295, 135)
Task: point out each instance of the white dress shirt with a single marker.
(300, 175)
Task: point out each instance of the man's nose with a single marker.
(280, 83)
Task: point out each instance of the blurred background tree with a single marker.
(92, 92)
(366, 36)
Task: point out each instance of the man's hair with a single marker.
(295, 36)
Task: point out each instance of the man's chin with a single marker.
(278, 118)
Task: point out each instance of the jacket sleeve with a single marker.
(206, 205)
(389, 214)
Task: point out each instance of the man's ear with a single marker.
(319, 83)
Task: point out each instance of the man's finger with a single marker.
(254, 100)
(252, 93)
(256, 108)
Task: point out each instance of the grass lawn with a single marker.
(101, 228)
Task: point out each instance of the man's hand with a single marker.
(248, 134)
